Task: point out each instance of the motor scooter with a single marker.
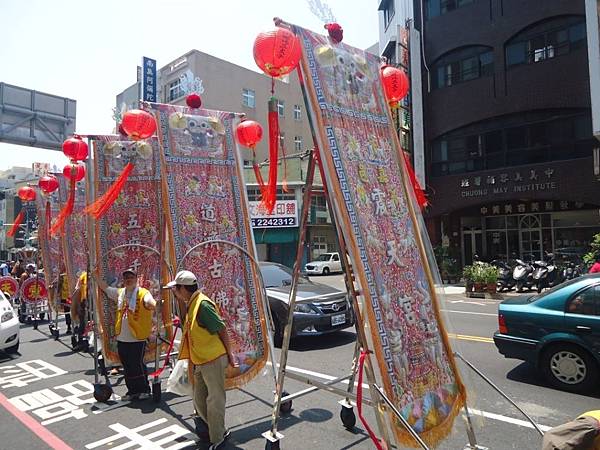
(505, 280)
(546, 274)
(523, 275)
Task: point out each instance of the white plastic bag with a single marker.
(179, 382)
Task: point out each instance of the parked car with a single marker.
(325, 264)
(329, 309)
(558, 331)
(9, 326)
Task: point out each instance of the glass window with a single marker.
(516, 138)
(516, 54)
(433, 8)
(463, 65)
(486, 60)
(577, 33)
(297, 112)
(280, 108)
(584, 302)
(248, 98)
(388, 12)
(175, 90)
(492, 142)
(298, 143)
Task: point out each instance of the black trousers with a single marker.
(136, 374)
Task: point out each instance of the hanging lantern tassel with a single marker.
(17, 224)
(66, 210)
(48, 220)
(103, 203)
(418, 190)
(270, 195)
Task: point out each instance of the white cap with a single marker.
(184, 277)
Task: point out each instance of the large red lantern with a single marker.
(48, 184)
(26, 194)
(277, 52)
(193, 100)
(138, 124)
(249, 133)
(75, 149)
(395, 84)
(76, 171)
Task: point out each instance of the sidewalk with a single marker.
(459, 289)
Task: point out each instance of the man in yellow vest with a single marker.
(582, 433)
(205, 343)
(133, 326)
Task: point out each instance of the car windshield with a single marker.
(324, 257)
(275, 275)
(554, 289)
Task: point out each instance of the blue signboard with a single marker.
(149, 79)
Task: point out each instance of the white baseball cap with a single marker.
(183, 277)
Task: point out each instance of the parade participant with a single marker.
(18, 270)
(582, 433)
(61, 284)
(132, 326)
(4, 269)
(28, 273)
(79, 314)
(596, 266)
(205, 343)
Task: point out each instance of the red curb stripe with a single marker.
(38, 429)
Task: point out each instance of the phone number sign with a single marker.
(285, 214)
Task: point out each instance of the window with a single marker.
(388, 12)
(297, 112)
(463, 65)
(281, 139)
(434, 8)
(585, 302)
(298, 143)
(175, 90)
(248, 98)
(280, 108)
(546, 40)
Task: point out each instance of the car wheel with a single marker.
(13, 349)
(570, 368)
(325, 270)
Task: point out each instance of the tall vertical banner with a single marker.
(51, 247)
(370, 193)
(207, 201)
(134, 219)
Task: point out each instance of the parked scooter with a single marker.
(546, 274)
(505, 280)
(570, 270)
(523, 275)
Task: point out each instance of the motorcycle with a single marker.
(523, 275)
(570, 270)
(505, 280)
(546, 274)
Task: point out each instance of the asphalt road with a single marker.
(50, 389)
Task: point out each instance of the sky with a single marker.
(88, 50)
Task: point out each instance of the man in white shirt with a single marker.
(133, 325)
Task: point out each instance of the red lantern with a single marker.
(277, 52)
(395, 83)
(138, 124)
(193, 100)
(75, 149)
(249, 133)
(74, 170)
(26, 194)
(121, 130)
(335, 31)
(48, 184)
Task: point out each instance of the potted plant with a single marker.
(478, 276)
(468, 276)
(491, 278)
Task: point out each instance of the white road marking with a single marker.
(468, 312)
(489, 415)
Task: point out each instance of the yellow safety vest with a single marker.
(64, 286)
(198, 344)
(139, 320)
(83, 285)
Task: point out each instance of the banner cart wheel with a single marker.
(156, 393)
(269, 445)
(348, 417)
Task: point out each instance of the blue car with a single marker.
(558, 331)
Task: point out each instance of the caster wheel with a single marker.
(74, 343)
(56, 334)
(272, 445)
(21, 318)
(285, 407)
(348, 418)
(156, 393)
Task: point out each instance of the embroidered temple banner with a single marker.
(365, 176)
(133, 220)
(206, 199)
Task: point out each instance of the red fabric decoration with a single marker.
(335, 31)
(48, 184)
(249, 133)
(193, 100)
(48, 220)
(26, 194)
(18, 222)
(395, 84)
(277, 52)
(66, 210)
(270, 195)
(75, 149)
(74, 170)
(418, 190)
(138, 124)
(103, 203)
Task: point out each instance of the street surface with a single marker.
(46, 396)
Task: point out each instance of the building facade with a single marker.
(227, 87)
(507, 127)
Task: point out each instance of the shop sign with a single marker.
(285, 214)
(531, 207)
(509, 182)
